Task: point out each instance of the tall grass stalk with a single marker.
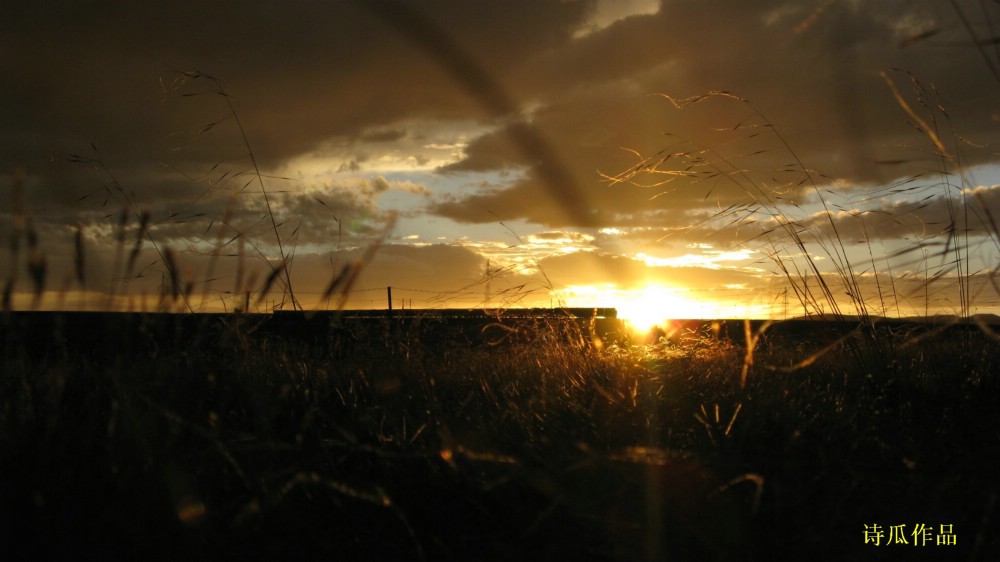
(16, 233)
(219, 89)
(227, 440)
(795, 248)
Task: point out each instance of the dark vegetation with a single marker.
(222, 440)
(163, 437)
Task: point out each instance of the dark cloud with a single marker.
(935, 216)
(297, 75)
(383, 135)
(814, 76)
(176, 107)
(490, 152)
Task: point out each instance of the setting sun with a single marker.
(654, 305)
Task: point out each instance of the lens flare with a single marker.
(654, 305)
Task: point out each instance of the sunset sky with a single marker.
(477, 154)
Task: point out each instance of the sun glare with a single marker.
(652, 306)
(656, 305)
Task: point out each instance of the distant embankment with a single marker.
(980, 328)
(103, 333)
(472, 326)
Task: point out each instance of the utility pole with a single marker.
(486, 297)
(388, 291)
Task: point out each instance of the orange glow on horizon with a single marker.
(654, 305)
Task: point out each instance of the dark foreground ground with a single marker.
(223, 439)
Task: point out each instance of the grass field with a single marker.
(206, 437)
(225, 442)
